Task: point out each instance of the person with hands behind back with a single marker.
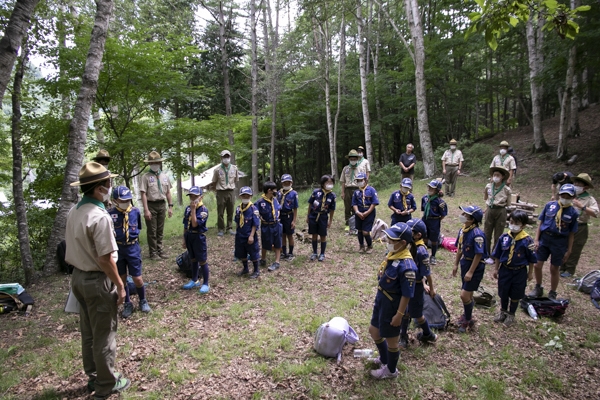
(194, 240)
(321, 207)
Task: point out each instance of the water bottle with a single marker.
(532, 313)
(364, 353)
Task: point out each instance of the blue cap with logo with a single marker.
(399, 231)
(286, 178)
(418, 226)
(567, 188)
(195, 190)
(473, 211)
(122, 193)
(246, 190)
(407, 182)
(361, 175)
(435, 184)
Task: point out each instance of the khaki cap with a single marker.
(102, 154)
(92, 172)
(154, 156)
(585, 178)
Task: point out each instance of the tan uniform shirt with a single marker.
(501, 199)
(591, 204)
(149, 185)
(507, 161)
(224, 178)
(348, 176)
(366, 164)
(89, 235)
(453, 157)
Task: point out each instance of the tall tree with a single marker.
(362, 62)
(254, 100)
(535, 40)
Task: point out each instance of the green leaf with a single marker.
(551, 5)
(513, 21)
(583, 8)
(474, 16)
(480, 3)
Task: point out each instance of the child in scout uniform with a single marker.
(396, 286)
(364, 201)
(554, 238)
(512, 254)
(194, 227)
(288, 200)
(434, 210)
(127, 222)
(415, 305)
(320, 205)
(402, 202)
(270, 227)
(246, 239)
(587, 207)
(470, 255)
(506, 161)
(452, 160)
(497, 197)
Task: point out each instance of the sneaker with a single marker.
(274, 267)
(384, 373)
(432, 260)
(243, 272)
(362, 249)
(254, 275)
(313, 257)
(566, 274)
(191, 285)
(144, 306)
(369, 250)
(501, 316)
(164, 256)
(403, 342)
(376, 361)
(426, 339)
(231, 231)
(321, 257)
(290, 257)
(220, 233)
(283, 257)
(461, 320)
(354, 232)
(347, 228)
(263, 263)
(538, 291)
(510, 319)
(121, 385)
(552, 295)
(155, 257)
(204, 289)
(466, 325)
(91, 385)
(127, 309)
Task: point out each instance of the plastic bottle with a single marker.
(532, 313)
(364, 353)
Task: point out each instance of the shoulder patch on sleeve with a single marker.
(256, 213)
(410, 275)
(442, 205)
(479, 239)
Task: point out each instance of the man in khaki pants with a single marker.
(451, 165)
(92, 250)
(224, 179)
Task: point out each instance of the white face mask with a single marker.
(155, 167)
(566, 202)
(245, 201)
(286, 187)
(391, 247)
(106, 196)
(502, 152)
(404, 190)
(360, 154)
(462, 219)
(578, 190)
(361, 184)
(225, 161)
(515, 228)
(124, 206)
(496, 179)
(329, 187)
(353, 162)
(452, 147)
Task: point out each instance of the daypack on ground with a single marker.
(546, 307)
(13, 302)
(184, 264)
(332, 336)
(586, 284)
(595, 294)
(352, 223)
(378, 229)
(484, 298)
(435, 311)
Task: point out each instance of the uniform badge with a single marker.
(410, 275)
(151, 179)
(479, 240)
(256, 212)
(203, 214)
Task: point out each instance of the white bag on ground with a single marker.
(331, 337)
(377, 232)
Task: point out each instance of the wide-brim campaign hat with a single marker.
(502, 170)
(102, 154)
(92, 172)
(360, 148)
(585, 178)
(225, 153)
(154, 156)
(195, 190)
(453, 141)
(503, 143)
(352, 153)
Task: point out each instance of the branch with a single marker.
(387, 15)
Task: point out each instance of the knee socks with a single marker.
(283, 249)
(127, 299)
(514, 304)
(141, 291)
(383, 350)
(425, 326)
(393, 357)
(404, 325)
(205, 273)
(323, 247)
(504, 303)
(468, 310)
(314, 246)
(434, 248)
(291, 249)
(255, 265)
(195, 270)
(361, 240)
(245, 264)
(368, 239)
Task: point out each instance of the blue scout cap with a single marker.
(567, 188)
(400, 231)
(195, 190)
(361, 175)
(122, 193)
(286, 178)
(435, 184)
(473, 211)
(407, 182)
(418, 226)
(246, 190)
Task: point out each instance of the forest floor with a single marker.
(254, 339)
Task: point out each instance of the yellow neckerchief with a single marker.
(559, 214)
(404, 196)
(284, 193)
(521, 235)
(264, 196)
(242, 209)
(399, 255)
(125, 220)
(463, 230)
(200, 204)
(324, 202)
(420, 242)
(363, 195)
(495, 192)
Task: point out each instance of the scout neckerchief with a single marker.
(503, 158)
(226, 173)
(400, 255)
(264, 196)
(125, 220)
(452, 156)
(324, 202)
(404, 196)
(157, 173)
(494, 193)
(283, 194)
(428, 205)
(362, 191)
(87, 199)
(521, 235)
(420, 242)
(352, 168)
(242, 209)
(200, 204)
(559, 214)
(461, 234)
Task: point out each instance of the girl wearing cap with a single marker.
(434, 210)
(471, 245)
(587, 206)
(321, 207)
(497, 197)
(396, 286)
(554, 238)
(194, 226)
(402, 202)
(364, 201)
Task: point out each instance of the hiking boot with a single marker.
(163, 255)
(243, 272)
(290, 257)
(369, 250)
(384, 373)
(538, 291)
(191, 285)
(321, 257)
(501, 316)
(262, 263)
(426, 339)
(220, 233)
(566, 274)
(121, 385)
(274, 267)
(144, 306)
(231, 231)
(510, 319)
(204, 289)
(552, 295)
(155, 257)
(313, 257)
(432, 260)
(362, 249)
(254, 275)
(403, 342)
(466, 325)
(127, 309)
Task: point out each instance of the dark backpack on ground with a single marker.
(184, 264)
(546, 307)
(484, 298)
(435, 311)
(586, 284)
(12, 302)
(595, 294)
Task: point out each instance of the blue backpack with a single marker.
(595, 294)
(435, 311)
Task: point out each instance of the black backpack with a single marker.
(184, 264)
(435, 312)
(12, 302)
(546, 307)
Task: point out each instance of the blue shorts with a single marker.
(286, 223)
(383, 312)
(196, 246)
(270, 236)
(473, 284)
(319, 226)
(366, 224)
(415, 305)
(130, 259)
(554, 247)
(512, 283)
(433, 229)
(399, 218)
(243, 249)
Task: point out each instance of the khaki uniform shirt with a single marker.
(453, 157)
(507, 161)
(348, 176)
(149, 185)
(225, 179)
(501, 199)
(366, 163)
(591, 204)
(89, 235)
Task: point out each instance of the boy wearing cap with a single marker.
(497, 197)
(505, 160)
(402, 202)
(246, 239)
(452, 160)
(127, 222)
(396, 286)
(471, 245)
(270, 227)
(554, 238)
(288, 199)
(587, 206)
(224, 179)
(194, 240)
(321, 207)
(434, 211)
(364, 201)
(348, 182)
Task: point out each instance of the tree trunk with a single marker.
(254, 101)
(78, 129)
(363, 80)
(341, 69)
(574, 130)
(11, 41)
(534, 50)
(225, 69)
(565, 107)
(383, 149)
